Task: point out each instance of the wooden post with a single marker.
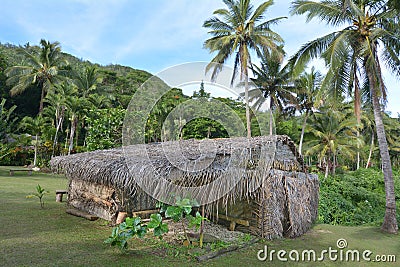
(59, 195)
(121, 217)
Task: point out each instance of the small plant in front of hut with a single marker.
(197, 221)
(177, 213)
(40, 192)
(123, 232)
(183, 208)
(156, 223)
(132, 227)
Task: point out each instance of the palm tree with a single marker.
(273, 82)
(334, 134)
(59, 103)
(87, 81)
(369, 24)
(368, 130)
(76, 109)
(309, 97)
(42, 68)
(240, 30)
(34, 126)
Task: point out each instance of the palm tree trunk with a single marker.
(246, 96)
(390, 222)
(66, 139)
(302, 132)
(41, 100)
(55, 137)
(36, 146)
(357, 110)
(74, 122)
(76, 135)
(59, 123)
(358, 151)
(326, 168)
(370, 150)
(270, 116)
(334, 165)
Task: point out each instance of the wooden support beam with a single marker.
(233, 221)
(82, 214)
(141, 213)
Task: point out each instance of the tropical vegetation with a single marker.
(52, 103)
(353, 59)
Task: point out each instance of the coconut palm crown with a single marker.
(40, 67)
(236, 30)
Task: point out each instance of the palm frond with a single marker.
(330, 12)
(267, 24)
(261, 9)
(310, 50)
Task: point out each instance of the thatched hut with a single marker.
(259, 184)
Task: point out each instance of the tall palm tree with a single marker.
(237, 30)
(369, 24)
(273, 82)
(309, 97)
(41, 67)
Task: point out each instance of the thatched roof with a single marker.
(231, 168)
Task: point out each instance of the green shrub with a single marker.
(355, 198)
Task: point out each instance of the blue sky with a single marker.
(150, 35)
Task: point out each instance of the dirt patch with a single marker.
(212, 233)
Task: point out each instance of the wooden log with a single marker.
(82, 214)
(232, 226)
(144, 212)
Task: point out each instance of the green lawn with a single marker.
(31, 236)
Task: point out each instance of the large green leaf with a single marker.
(155, 220)
(161, 229)
(174, 212)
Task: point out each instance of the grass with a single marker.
(31, 236)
